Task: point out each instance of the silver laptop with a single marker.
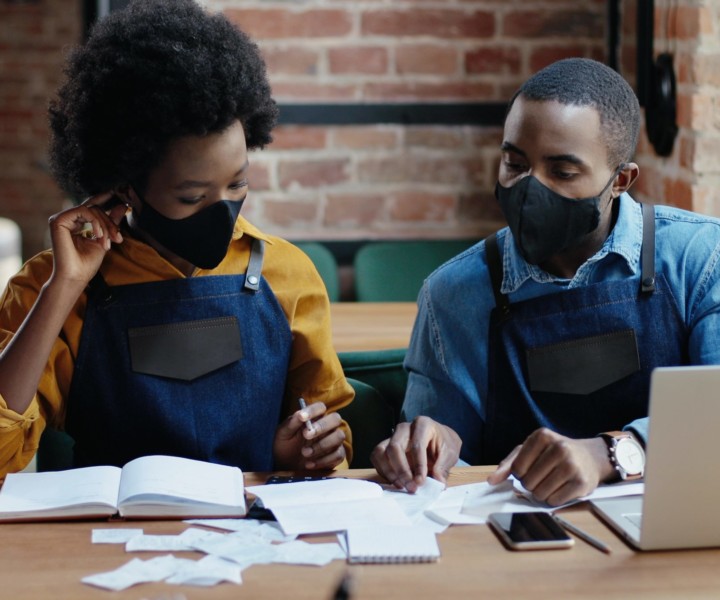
(681, 504)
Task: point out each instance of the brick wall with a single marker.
(33, 39)
(339, 182)
(690, 176)
(395, 181)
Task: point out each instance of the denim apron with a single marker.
(193, 367)
(579, 361)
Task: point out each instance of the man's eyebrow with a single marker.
(508, 147)
(193, 183)
(569, 158)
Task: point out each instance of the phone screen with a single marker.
(530, 530)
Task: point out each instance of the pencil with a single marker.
(586, 537)
(308, 424)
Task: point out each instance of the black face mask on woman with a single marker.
(544, 222)
(202, 239)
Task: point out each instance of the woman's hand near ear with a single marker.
(81, 236)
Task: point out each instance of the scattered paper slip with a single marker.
(302, 553)
(134, 572)
(173, 543)
(266, 530)
(208, 571)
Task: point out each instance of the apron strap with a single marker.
(99, 288)
(647, 277)
(254, 270)
(496, 273)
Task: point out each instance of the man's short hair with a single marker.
(586, 82)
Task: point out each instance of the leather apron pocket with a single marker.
(185, 350)
(583, 366)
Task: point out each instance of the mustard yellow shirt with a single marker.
(314, 371)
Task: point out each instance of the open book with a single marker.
(147, 487)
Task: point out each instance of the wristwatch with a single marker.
(626, 454)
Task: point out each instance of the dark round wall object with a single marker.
(661, 108)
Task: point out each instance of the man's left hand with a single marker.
(555, 468)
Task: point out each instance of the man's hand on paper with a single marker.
(415, 450)
(299, 447)
(555, 468)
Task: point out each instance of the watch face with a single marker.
(630, 456)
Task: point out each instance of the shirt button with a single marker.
(252, 280)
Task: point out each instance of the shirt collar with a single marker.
(625, 240)
(242, 227)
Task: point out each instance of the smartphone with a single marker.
(530, 531)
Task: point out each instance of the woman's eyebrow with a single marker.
(194, 183)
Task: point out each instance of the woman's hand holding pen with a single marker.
(298, 446)
(81, 236)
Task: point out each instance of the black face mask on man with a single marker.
(544, 222)
(202, 239)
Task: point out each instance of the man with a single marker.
(534, 350)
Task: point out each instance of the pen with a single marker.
(308, 424)
(586, 537)
(86, 231)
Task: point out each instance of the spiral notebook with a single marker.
(391, 544)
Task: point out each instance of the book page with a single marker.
(170, 479)
(41, 492)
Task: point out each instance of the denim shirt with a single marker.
(448, 355)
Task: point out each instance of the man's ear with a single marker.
(626, 176)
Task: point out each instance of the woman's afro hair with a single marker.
(148, 74)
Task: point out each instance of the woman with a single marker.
(162, 322)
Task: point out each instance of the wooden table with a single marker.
(372, 325)
(43, 561)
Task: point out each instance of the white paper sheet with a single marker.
(315, 492)
(338, 516)
(415, 505)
